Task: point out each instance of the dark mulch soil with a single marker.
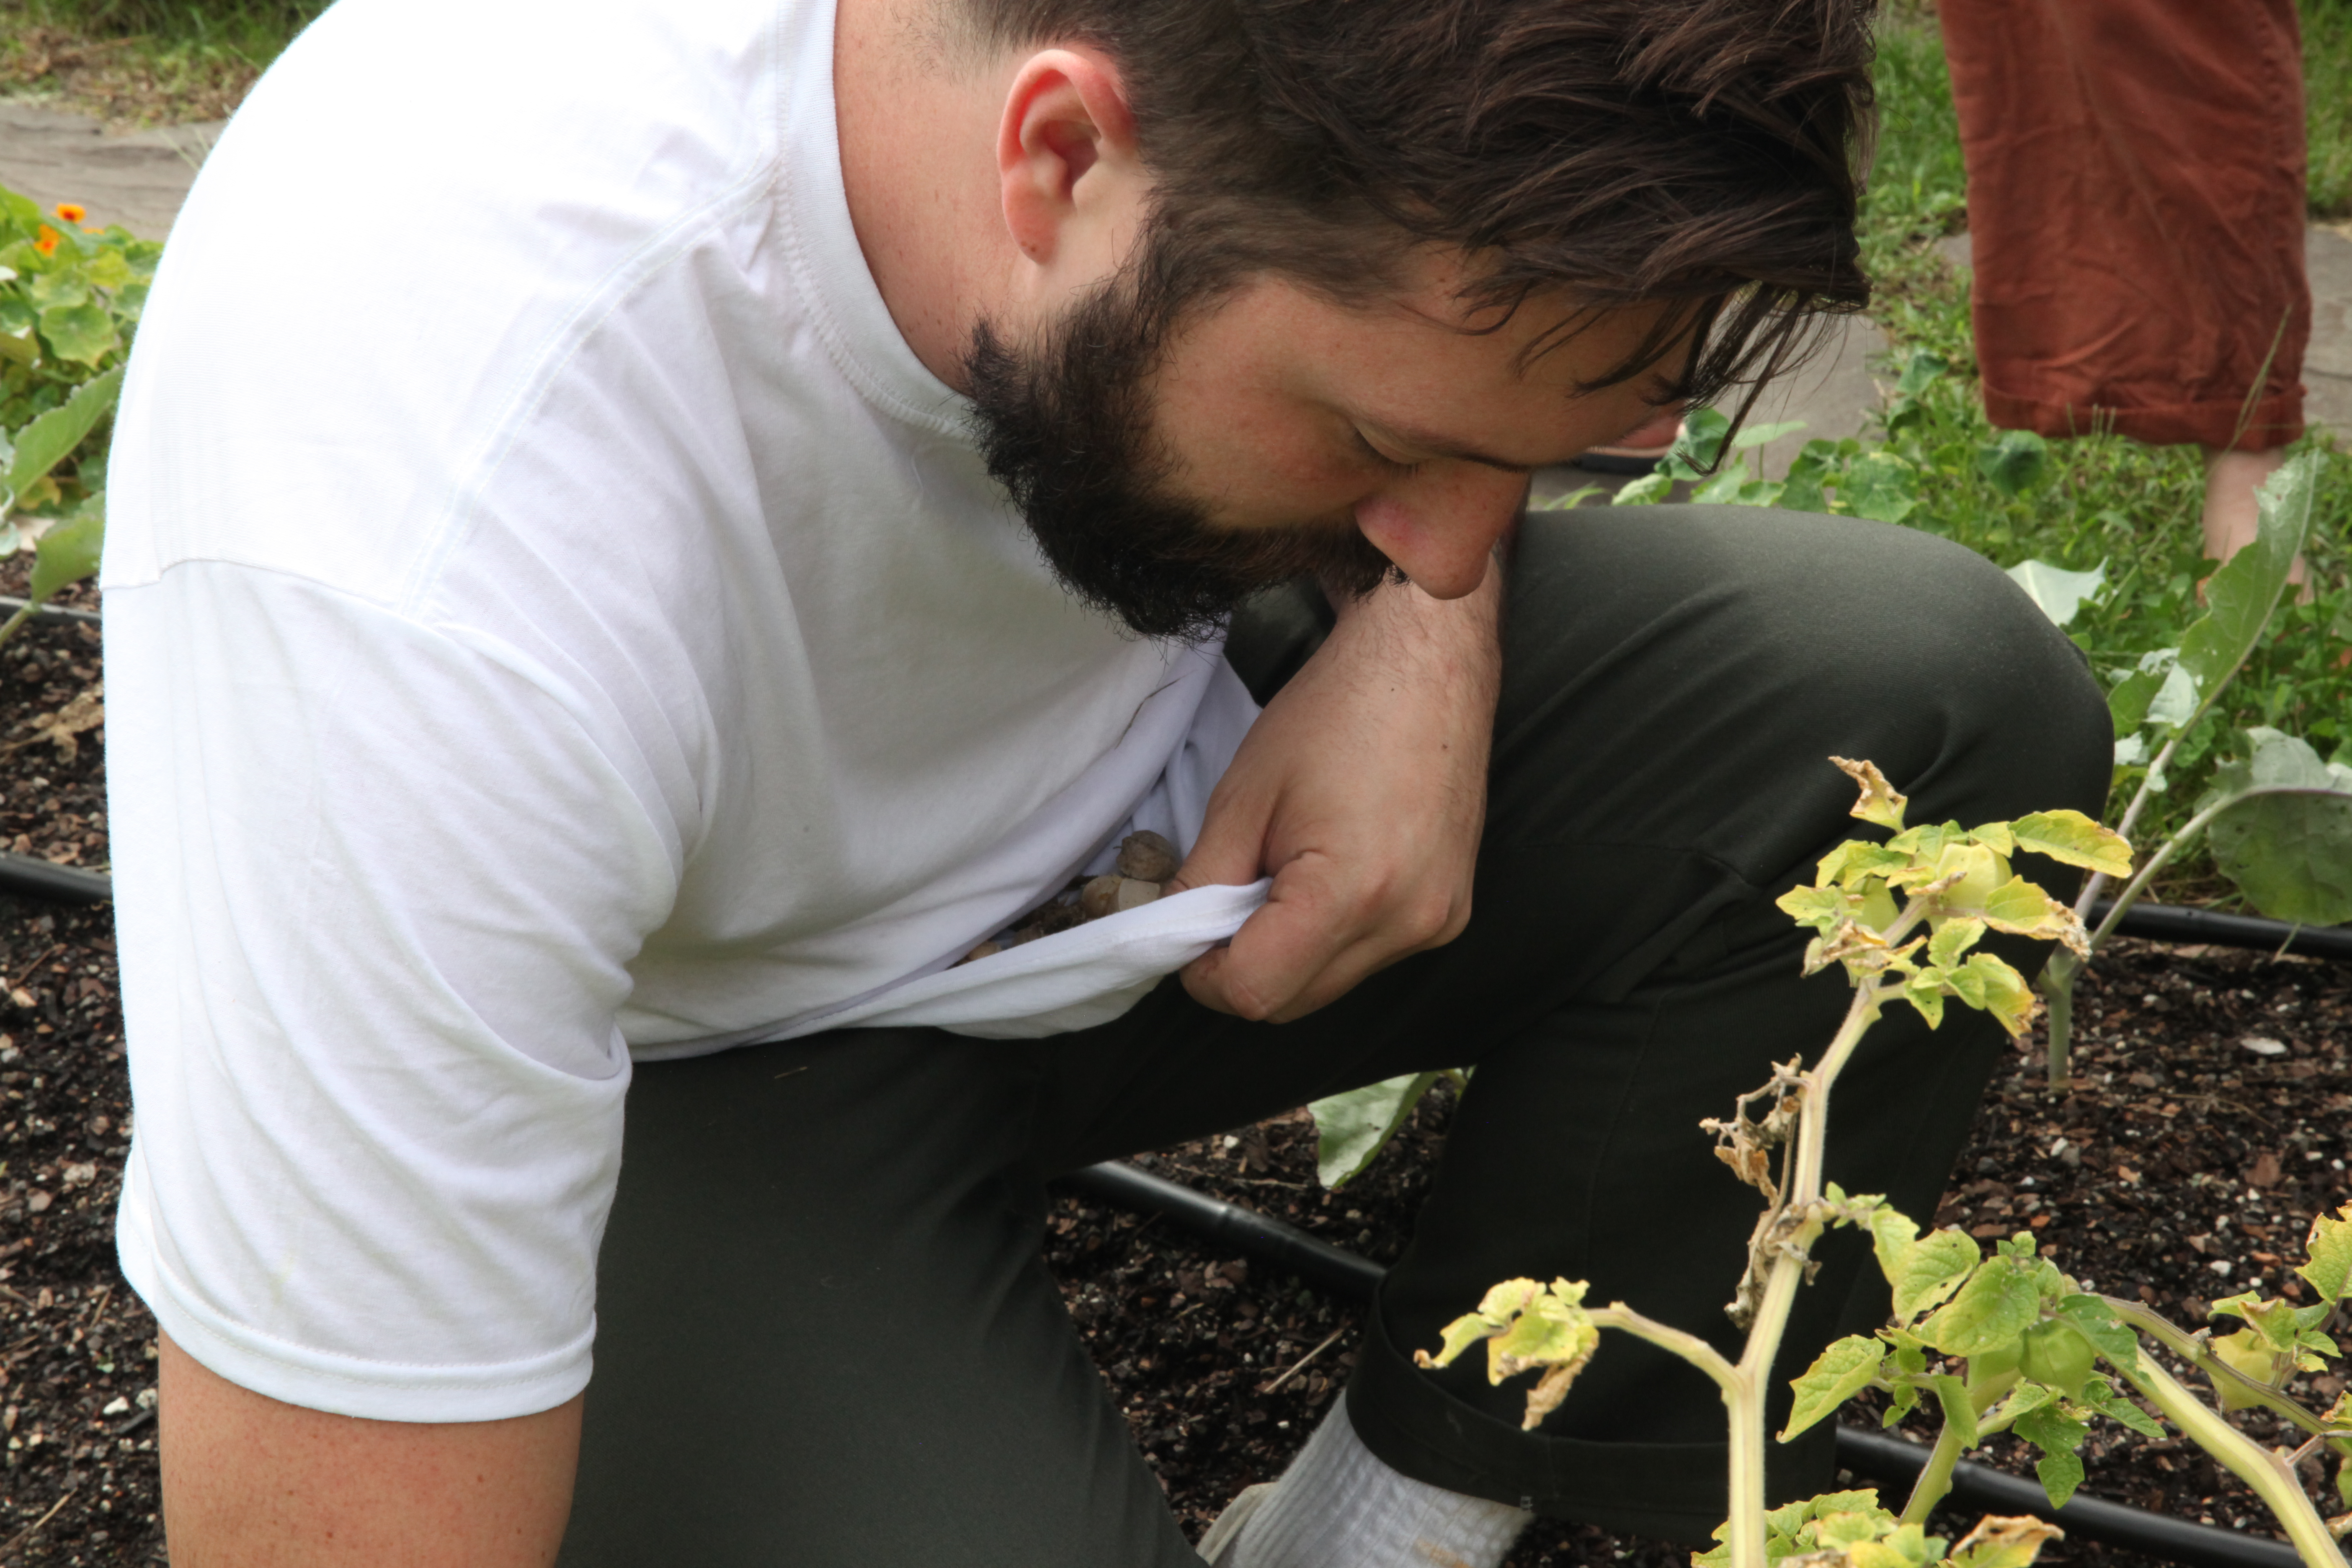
(2184, 1167)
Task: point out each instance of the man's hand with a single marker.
(249, 1482)
(1362, 788)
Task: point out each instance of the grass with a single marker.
(146, 61)
(2106, 501)
(2327, 81)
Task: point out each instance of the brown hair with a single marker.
(1705, 152)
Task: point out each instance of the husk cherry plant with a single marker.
(1999, 1341)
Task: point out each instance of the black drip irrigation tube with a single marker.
(2163, 923)
(9, 606)
(1873, 1456)
(33, 879)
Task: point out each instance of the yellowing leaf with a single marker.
(1997, 1305)
(2244, 1352)
(1820, 908)
(1458, 1336)
(1840, 1373)
(1952, 939)
(2002, 1541)
(1893, 1234)
(1931, 1270)
(1880, 802)
(2007, 997)
(2330, 1269)
(2074, 839)
(2021, 907)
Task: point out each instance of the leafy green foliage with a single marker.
(1352, 1128)
(69, 302)
(2287, 841)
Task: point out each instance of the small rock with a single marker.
(2267, 1172)
(2220, 1265)
(2263, 1045)
(1100, 897)
(118, 1405)
(38, 1200)
(1146, 858)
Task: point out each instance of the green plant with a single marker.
(2279, 818)
(1999, 1342)
(70, 302)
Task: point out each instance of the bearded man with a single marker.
(643, 534)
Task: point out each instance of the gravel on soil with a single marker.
(2211, 1117)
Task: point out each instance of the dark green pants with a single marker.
(827, 1339)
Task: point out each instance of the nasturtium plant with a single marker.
(70, 300)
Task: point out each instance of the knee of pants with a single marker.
(1689, 644)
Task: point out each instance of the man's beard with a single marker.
(1065, 426)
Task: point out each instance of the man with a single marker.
(564, 609)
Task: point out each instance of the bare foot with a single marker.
(2231, 515)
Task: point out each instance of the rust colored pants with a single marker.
(2136, 204)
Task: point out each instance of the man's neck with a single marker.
(917, 120)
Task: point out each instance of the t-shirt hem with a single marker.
(340, 1384)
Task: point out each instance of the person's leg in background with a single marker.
(2137, 219)
(826, 1336)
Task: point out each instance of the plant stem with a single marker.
(2056, 984)
(1690, 1347)
(2188, 1348)
(1745, 1393)
(1935, 1476)
(8, 628)
(1934, 1482)
(2271, 1478)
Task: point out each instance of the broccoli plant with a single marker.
(1999, 1342)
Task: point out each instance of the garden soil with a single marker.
(2211, 1120)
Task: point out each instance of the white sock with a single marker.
(1338, 1505)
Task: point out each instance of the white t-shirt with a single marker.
(552, 616)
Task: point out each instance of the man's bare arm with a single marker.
(1362, 788)
(249, 1482)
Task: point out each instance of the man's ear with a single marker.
(1063, 148)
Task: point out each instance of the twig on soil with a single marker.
(33, 1528)
(1301, 1364)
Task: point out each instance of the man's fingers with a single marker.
(1290, 957)
(1229, 851)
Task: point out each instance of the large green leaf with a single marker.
(2243, 593)
(1350, 1129)
(2289, 851)
(82, 333)
(66, 555)
(1880, 486)
(1992, 1309)
(2015, 463)
(2060, 594)
(51, 438)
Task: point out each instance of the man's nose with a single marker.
(1439, 525)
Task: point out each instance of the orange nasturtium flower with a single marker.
(45, 241)
(72, 212)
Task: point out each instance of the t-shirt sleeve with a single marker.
(378, 883)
